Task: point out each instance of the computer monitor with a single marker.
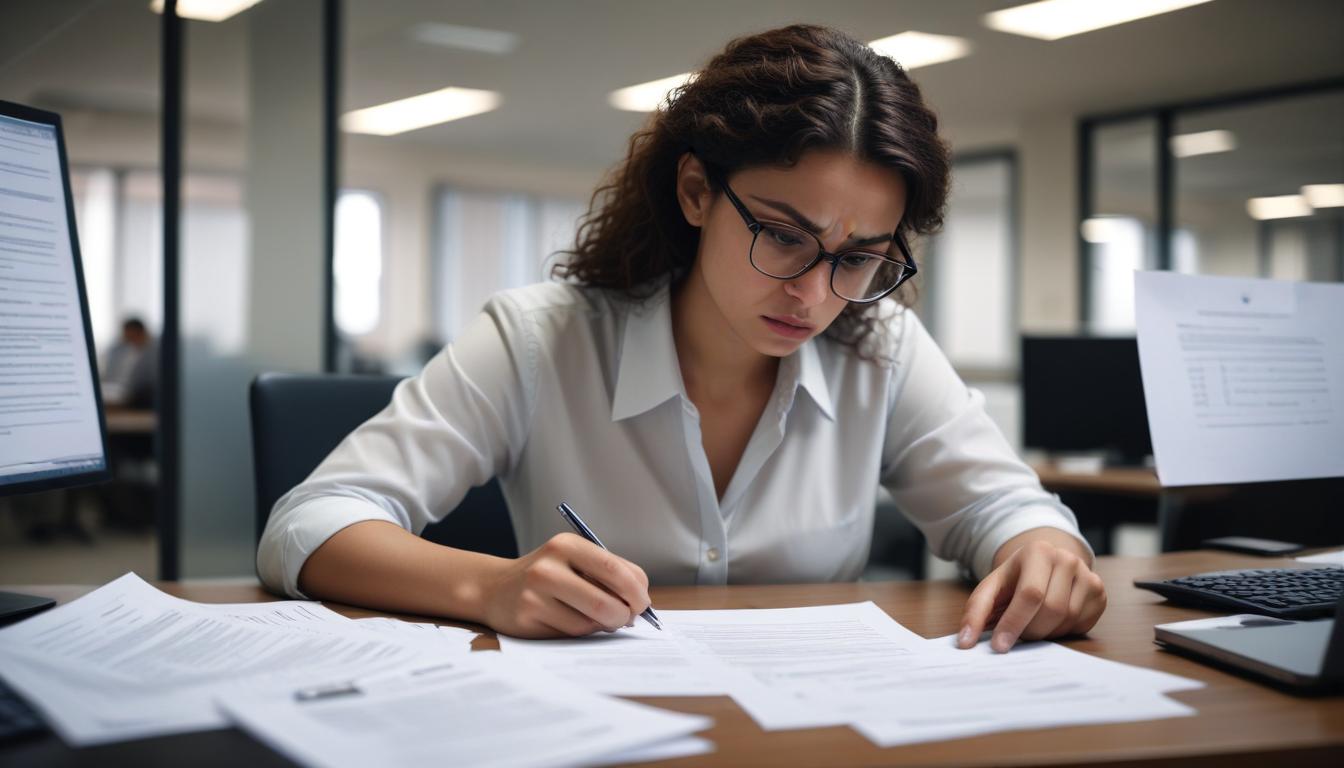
(1084, 394)
(52, 431)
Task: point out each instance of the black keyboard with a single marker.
(1287, 593)
(17, 719)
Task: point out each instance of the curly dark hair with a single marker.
(764, 101)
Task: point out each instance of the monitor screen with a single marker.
(51, 426)
(1084, 394)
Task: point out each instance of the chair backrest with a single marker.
(298, 419)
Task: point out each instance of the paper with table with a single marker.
(853, 664)
(1244, 379)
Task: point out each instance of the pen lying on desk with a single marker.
(583, 530)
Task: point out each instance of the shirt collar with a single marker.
(649, 373)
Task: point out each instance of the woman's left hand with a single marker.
(1042, 588)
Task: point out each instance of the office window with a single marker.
(95, 194)
(358, 262)
(492, 241)
(970, 285)
(1243, 200)
(1251, 188)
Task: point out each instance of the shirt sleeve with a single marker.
(458, 423)
(947, 465)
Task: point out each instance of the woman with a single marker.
(718, 386)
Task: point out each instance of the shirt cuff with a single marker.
(314, 522)
(1021, 521)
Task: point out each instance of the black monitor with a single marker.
(52, 431)
(1084, 393)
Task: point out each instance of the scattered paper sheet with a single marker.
(1244, 379)
(478, 709)
(128, 661)
(1325, 558)
(853, 664)
(452, 640)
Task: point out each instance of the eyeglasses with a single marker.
(785, 252)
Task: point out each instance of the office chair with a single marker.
(298, 419)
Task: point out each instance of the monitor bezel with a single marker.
(34, 115)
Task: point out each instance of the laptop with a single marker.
(1305, 656)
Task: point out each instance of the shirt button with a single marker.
(712, 554)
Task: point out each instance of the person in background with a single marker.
(718, 384)
(131, 368)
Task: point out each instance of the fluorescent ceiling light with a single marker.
(1278, 207)
(419, 111)
(206, 10)
(464, 38)
(1324, 195)
(910, 49)
(920, 49)
(646, 97)
(1203, 143)
(1053, 19)
(1106, 229)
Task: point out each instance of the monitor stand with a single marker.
(14, 606)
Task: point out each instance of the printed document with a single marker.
(128, 661)
(478, 710)
(1244, 379)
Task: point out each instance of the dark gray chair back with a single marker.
(298, 419)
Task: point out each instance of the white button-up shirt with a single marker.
(574, 394)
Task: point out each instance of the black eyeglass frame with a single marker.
(833, 259)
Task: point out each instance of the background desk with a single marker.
(1239, 722)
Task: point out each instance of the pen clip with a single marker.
(577, 524)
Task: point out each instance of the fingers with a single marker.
(1028, 594)
(1092, 602)
(987, 598)
(589, 599)
(1054, 610)
(621, 577)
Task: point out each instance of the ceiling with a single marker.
(104, 55)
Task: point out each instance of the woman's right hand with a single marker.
(566, 587)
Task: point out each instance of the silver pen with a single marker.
(583, 530)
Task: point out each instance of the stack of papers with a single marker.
(853, 665)
(128, 661)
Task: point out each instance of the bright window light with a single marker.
(206, 10)
(1053, 19)
(1203, 143)
(1278, 207)
(646, 97)
(1324, 195)
(358, 262)
(427, 109)
(920, 49)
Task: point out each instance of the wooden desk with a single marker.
(1128, 481)
(1239, 722)
(127, 421)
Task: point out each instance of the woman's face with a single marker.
(842, 199)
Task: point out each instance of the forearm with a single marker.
(1053, 536)
(377, 564)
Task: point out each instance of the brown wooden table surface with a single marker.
(1239, 722)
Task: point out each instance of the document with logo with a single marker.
(1244, 379)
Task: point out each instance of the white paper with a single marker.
(1325, 558)
(1244, 379)
(1035, 685)
(686, 746)
(128, 661)
(452, 640)
(709, 653)
(478, 710)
